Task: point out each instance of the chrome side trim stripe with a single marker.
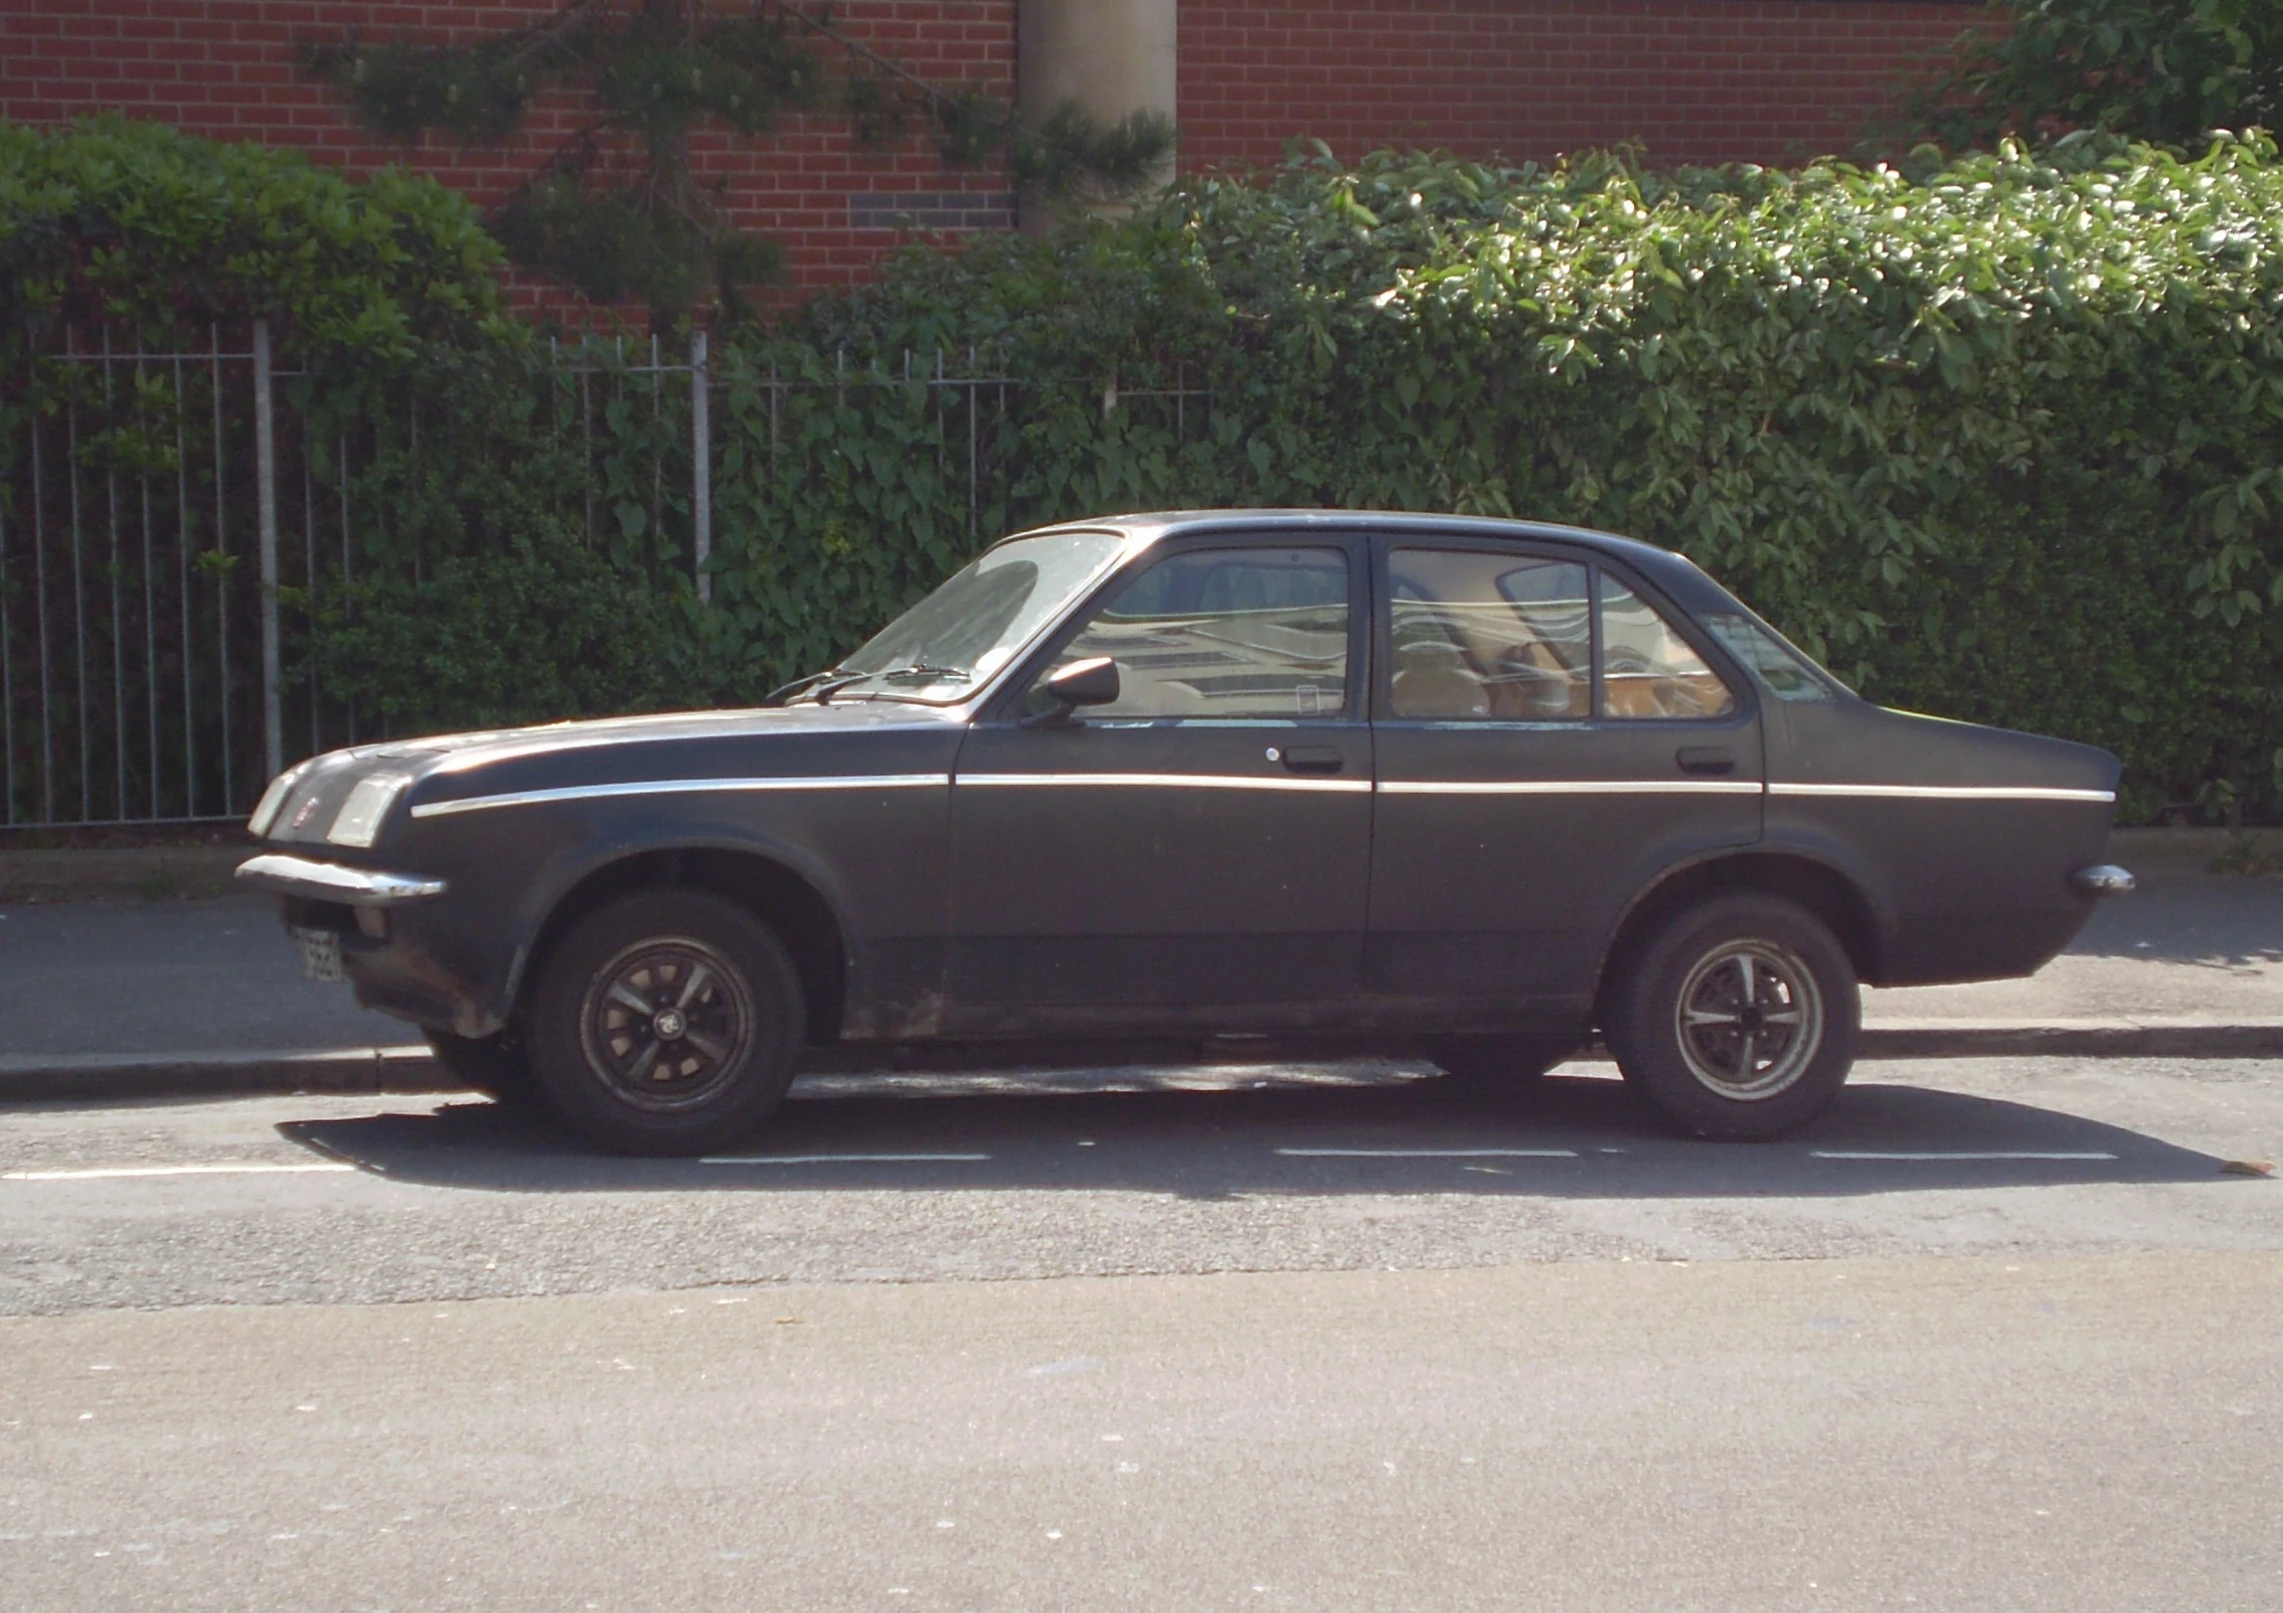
(1946, 792)
(683, 786)
(1570, 787)
(1169, 781)
(1223, 781)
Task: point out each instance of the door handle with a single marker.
(1705, 759)
(1314, 758)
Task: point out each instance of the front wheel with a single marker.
(666, 1023)
(1738, 1020)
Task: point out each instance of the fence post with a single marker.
(265, 471)
(701, 463)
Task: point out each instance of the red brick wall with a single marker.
(225, 69)
(1699, 80)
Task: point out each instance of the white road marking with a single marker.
(1428, 1153)
(838, 1159)
(117, 1172)
(1995, 1153)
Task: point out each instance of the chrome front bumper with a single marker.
(330, 882)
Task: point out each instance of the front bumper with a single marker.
(314, 881)
(390, 932)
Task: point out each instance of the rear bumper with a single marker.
(314, 881)
(2102, 879)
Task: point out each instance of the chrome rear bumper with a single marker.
(2102, 879)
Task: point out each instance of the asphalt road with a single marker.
(2001, 1334)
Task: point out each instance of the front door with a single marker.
(1548, 739)
(1194, 854)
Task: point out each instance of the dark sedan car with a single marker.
(1312, 780)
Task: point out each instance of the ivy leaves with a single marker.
(2165, 71)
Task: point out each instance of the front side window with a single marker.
(1647, 669)
(1485, 635)
(1252, 633)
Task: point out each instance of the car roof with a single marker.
(1675, 575)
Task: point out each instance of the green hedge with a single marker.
(133, 222)
(1997, 435)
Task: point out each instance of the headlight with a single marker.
(273, 800)
(359, 820)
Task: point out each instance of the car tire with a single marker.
(1737, 1020)
(1490, 1062)
(666, 1023)
(496, 1066)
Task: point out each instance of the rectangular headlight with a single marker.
(273, 800)
(359, 820)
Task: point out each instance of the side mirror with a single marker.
(1091, 682)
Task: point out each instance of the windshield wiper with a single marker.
(785, 692)
(825, 685)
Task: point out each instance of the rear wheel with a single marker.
(666, 1023)
(1500, 1061)
(1738, 1020)
(496, 1066)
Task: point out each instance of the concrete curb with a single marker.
(2115, 1039)
(413, 1069)
(223, 1074)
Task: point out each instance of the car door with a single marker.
(1549, 736)
(1194, 853)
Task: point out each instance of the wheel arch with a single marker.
(773, 891)
(1839, 901)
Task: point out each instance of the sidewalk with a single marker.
(114, 998)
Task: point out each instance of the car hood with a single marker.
(755, 741)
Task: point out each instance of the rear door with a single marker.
(1196, 853)
(1549, 736)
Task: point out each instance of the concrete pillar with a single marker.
(1111, 57)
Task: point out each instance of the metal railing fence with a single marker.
(183, 520)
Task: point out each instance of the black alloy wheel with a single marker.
(666, 1023)
(496, 1066)
(1738, 1020)
(1506, 1060)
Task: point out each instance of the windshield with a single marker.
(972, 625)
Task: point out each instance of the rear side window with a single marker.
(1782, 670)
(1647, 669)
(1484, 635)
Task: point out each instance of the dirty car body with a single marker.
(1325, 781)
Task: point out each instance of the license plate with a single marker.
(320, 953)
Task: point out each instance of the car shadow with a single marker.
(1390, 1132)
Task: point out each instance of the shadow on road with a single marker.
(1394, 1134)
